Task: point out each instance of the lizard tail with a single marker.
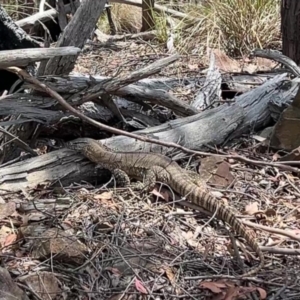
(205, 200)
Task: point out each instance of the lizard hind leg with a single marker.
(148, 183)
(155, 173)
(123, 180)
(121, 177)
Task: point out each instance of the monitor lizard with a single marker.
(152, 167)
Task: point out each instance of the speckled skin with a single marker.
(150, 168)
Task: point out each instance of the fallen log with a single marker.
(249, 112)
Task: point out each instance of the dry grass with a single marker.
(127, 18)
(19, 9)
(236, 26)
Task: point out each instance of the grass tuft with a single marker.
(236, 26)
(127, 19)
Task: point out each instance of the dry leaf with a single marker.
(275, 157)
(4, 233)
(225, 63)
(270, 212)
(10, 239)
(140, 287)
(104, 196)
(170, 275)
(62, 245)
(215, 287)
(44, 284)
(193, 67)
(114, 271)
(232, 293)
(251, 208)
(208, 167)
(223, 176)
(8, 288)
(163, 193)
(7, 209)
(262, 293)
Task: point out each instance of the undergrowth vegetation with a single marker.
(19, 9)
(235, 26)
(127, 19)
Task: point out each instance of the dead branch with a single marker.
(117, 83)
(76, 33)
(23, 57)
(42, 16)
(279, 57)
(228, 120)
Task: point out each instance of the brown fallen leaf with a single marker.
(44, 284)
(10, 239)
(251, 208)
(232, 293)
(223, 176)
(208, 167)
(140, 287)
(4, 233)
(61, 245)
(262, 293)
(225, 63)
(171, 276)
(163, 193)
(270, 212)
(104, 196)
(193, 67)
(214, 287)
(7, 209)
(8, 289)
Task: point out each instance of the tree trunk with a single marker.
(147, 15)
(290, 29)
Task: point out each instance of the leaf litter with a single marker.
(110, 241)
(100, 243)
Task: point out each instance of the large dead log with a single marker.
(249, 112)
(44, 110)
